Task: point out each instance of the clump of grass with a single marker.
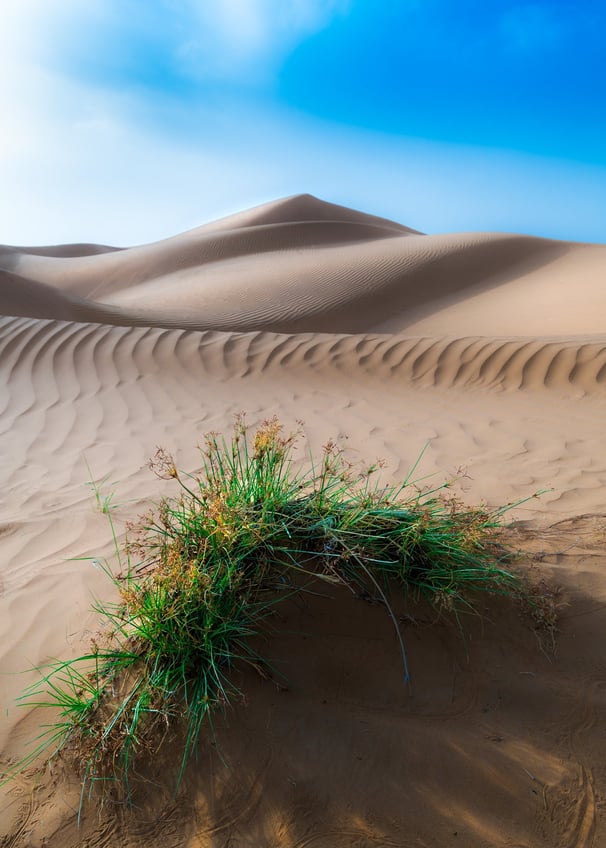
(205, 570)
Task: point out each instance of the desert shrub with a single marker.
(203, 571)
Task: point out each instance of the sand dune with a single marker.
(59, 250)
(490, 348)
(305, 266)
(23, 296)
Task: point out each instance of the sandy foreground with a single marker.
(491, 348)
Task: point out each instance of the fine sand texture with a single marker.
(488, 349)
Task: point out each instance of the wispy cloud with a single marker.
(229, 37)
(116, 41)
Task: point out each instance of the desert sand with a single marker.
(491, 348)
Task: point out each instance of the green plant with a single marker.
(205, 570)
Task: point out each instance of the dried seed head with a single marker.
(163, 465)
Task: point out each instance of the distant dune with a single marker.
(489, 349)
(301, 265)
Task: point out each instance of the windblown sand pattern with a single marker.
(490, 347)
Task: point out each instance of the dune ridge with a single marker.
(569, 366)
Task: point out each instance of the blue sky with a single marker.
(125, 121)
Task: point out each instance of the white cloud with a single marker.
(210, 40)
(229, 37)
